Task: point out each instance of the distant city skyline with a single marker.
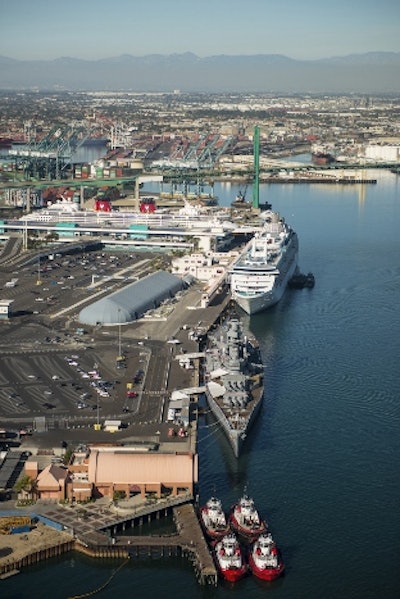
(94, 29)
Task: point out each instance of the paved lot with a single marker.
(48, 369)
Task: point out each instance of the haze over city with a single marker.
(99, 29)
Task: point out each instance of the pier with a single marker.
(331, 180)
(97, 534)
(188, 542)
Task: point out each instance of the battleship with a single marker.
(233, 380)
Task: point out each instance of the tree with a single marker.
(67, 456)
(26, 487)
(118, 495)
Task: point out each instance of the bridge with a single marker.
(45, 183)
(194, 174)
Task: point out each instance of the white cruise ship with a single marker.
(259, 276)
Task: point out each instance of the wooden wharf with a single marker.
(189, 542)
(106, 541)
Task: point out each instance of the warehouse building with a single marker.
(113, 469)
(102, 470)
(133, 301)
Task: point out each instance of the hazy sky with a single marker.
(302, 29)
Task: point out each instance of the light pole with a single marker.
(39, 281)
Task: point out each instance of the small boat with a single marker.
(245, 519)
(300, 281)
(264, 559)
(241, 202)
(213, 519)
(229, 558)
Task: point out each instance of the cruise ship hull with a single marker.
(259, 277)
(252, 304)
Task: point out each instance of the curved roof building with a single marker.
(131, 302)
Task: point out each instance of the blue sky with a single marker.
(90, 29)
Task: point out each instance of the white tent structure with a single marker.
(133, 301)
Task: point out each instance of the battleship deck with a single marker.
(234, 380)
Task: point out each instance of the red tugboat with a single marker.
(213, 520)
(229, 558)
(264, 559)
(245, 519)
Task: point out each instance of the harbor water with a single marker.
(323, 460)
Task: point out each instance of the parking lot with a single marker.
(59, 286)
(67, 388)
(65, 375)
(52, 366)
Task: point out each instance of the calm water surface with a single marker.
(323, 460)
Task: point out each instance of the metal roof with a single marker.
(131, 302)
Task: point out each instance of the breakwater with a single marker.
(12, 565)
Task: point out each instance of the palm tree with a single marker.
(26, 487)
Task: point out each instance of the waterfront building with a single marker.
(383, 152)
(102, 470)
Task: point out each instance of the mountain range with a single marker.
(370, 73)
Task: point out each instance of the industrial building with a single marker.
(133, 301)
